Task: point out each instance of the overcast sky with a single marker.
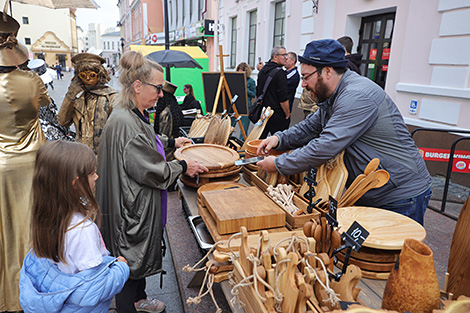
(107, 15)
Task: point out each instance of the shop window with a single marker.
(25, 20)
(27, 41)
(252, 38)
(233, 48)
(279, 21)
(374, 44)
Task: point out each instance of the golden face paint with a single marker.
(88, 77)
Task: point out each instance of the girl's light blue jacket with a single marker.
(44, 288)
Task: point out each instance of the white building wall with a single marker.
(429, 60)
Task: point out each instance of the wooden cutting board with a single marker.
(249, 207)
(209, 155)
(212, 130)
(336, 175)
(388, 230)
(459, 267)
(219, 186)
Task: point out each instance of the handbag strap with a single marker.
(268, 81)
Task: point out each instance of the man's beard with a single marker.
(319, 92)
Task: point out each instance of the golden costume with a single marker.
(21, 94)
(88, 102)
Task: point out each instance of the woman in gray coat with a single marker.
(134, 176)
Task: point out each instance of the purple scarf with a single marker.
(163, 193)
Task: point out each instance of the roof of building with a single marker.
(112, 34)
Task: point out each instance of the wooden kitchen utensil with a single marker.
(212, 156)
(387, 230)
(249, 207)
(257, 130)
(373, 180)
(212, 130)
(458, 266)
(336, 175)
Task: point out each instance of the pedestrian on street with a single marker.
(68, 264)
(132, 191)
(357, 116)
(58, 69)
(293, 77)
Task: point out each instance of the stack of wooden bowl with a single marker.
(387, 233)
(218, 159)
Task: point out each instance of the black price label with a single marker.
(344, 305)
(355, 236)
(333, 207)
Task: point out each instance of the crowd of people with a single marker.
(99, 205)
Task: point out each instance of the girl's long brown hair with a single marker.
(56, 196)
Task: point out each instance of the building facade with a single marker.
(111, 43)
(416, 50)
(55, 41)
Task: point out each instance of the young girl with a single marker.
(68, 269)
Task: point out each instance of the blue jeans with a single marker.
(411, 207)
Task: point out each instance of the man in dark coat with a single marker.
(277, 94)
(354, 59)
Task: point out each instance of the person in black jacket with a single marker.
(189, 101)
(354, 60)
(277, 94)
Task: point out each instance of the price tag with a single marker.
(333, 207)
(355, 236)
(344, 305)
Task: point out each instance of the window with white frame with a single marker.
(233, 48)
(279, 20)
(252, 38)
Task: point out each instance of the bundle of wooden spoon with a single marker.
(372, 178)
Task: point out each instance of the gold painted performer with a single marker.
(21, 94)
(88, 102)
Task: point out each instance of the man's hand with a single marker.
(180, 141)
(268, 164)
(259, 66)
(266, 145)
(74, 90)
(195, 168)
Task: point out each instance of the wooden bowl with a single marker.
(252, 147)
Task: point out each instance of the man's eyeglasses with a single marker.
(283, 54)
(158, 87)
(308, 76)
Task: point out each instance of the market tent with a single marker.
(182, 76)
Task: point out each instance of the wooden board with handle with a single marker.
(387, 230)
(248, 207)
(459, 267)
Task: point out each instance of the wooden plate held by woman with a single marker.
(214, 157)
(387, 230)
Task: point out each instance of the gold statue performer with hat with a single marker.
(21, 95)
(88, 102)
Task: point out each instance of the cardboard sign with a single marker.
(461, 163)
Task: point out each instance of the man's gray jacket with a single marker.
(361, 118)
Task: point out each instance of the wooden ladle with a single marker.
(371, 167)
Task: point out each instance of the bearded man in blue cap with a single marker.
(355, 115)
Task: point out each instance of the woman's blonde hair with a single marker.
(244, 67)
(134, 67)
(60, 188)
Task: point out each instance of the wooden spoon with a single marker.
(372, 166)
(317, 236)
(374, 180)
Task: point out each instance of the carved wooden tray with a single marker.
(214, 157)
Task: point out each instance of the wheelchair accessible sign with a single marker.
(461, 158)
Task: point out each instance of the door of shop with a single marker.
(61, 60)
(375, 38)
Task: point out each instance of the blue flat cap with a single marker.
(324, 52)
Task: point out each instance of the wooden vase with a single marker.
(412, 285)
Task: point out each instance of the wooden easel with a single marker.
(224, 90)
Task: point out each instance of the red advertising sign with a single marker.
(384, 67)
(372, 54)
(461, 162)
(386, 54)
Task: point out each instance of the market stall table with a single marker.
(371, 290)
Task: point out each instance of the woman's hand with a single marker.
(195, 168)
(122, 259)
(180, 141)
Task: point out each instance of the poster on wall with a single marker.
(461, 163)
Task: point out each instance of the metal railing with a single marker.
(449, 163)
